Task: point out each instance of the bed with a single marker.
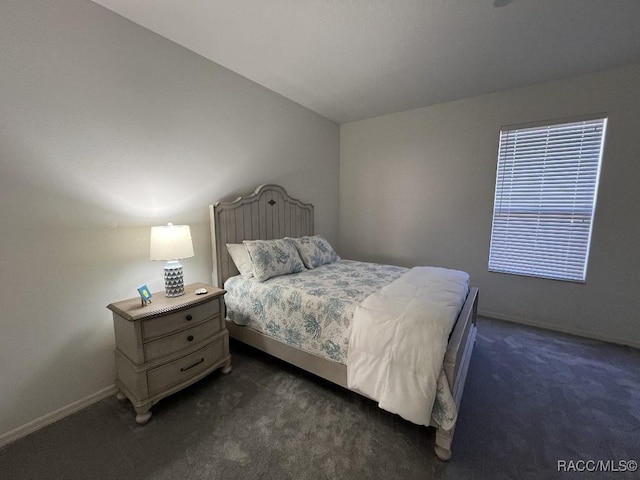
(356, 288)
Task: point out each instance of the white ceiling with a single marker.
(354, 59)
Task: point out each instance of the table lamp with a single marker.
(171, 243)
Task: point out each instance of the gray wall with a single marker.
(417, 188)
(105, 130)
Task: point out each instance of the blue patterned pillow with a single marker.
(314, 251)
(270, 258)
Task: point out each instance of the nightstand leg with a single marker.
(226, 370)
(143, 414)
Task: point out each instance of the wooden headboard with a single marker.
(267, 213)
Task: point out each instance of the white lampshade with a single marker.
(170, 242)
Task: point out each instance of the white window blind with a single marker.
(546, 185)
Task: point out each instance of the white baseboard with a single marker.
(556, 328)
(49, 418)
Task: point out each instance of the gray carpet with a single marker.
(533, 398)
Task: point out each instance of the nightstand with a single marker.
(168, 344)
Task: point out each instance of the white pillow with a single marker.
(314, 251)
(241, 258)
(270, 258)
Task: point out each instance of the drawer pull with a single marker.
(189, 318)
(190, 338)
(184, 369)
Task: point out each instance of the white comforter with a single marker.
(399, 337)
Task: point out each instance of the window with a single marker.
(546, 185)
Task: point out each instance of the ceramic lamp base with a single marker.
(173, 281)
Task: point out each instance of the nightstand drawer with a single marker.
(185, 368)
(168, 345)
(172, 322)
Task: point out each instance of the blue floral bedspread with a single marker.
(311, 310)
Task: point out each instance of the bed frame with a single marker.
(270, 213)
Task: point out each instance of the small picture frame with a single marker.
(145, 295)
